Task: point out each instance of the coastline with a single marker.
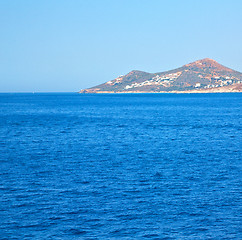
(236, 88)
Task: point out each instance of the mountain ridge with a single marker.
(203, 75)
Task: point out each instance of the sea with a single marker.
(120, 166)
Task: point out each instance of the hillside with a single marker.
(204, 75)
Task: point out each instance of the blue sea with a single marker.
(120, 166)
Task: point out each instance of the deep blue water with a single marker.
(126, 166)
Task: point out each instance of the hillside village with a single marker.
(167, 80)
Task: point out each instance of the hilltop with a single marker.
(204, 75)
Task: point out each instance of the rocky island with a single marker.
(202, 76)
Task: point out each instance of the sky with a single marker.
(65, 46)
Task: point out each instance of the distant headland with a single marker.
(202, 76)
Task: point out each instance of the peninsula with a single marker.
(202, 76)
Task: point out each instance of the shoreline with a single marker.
(225, 89)
(176, 92)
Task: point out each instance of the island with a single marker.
(202, 76)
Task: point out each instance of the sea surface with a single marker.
(124, 166)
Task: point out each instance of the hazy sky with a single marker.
(73, 44)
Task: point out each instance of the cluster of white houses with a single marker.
(164, 80)
(223, 81)
(116, 80)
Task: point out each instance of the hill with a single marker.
(204, 75)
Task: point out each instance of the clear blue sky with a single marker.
(68, 45)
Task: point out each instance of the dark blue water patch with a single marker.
(133, 166)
